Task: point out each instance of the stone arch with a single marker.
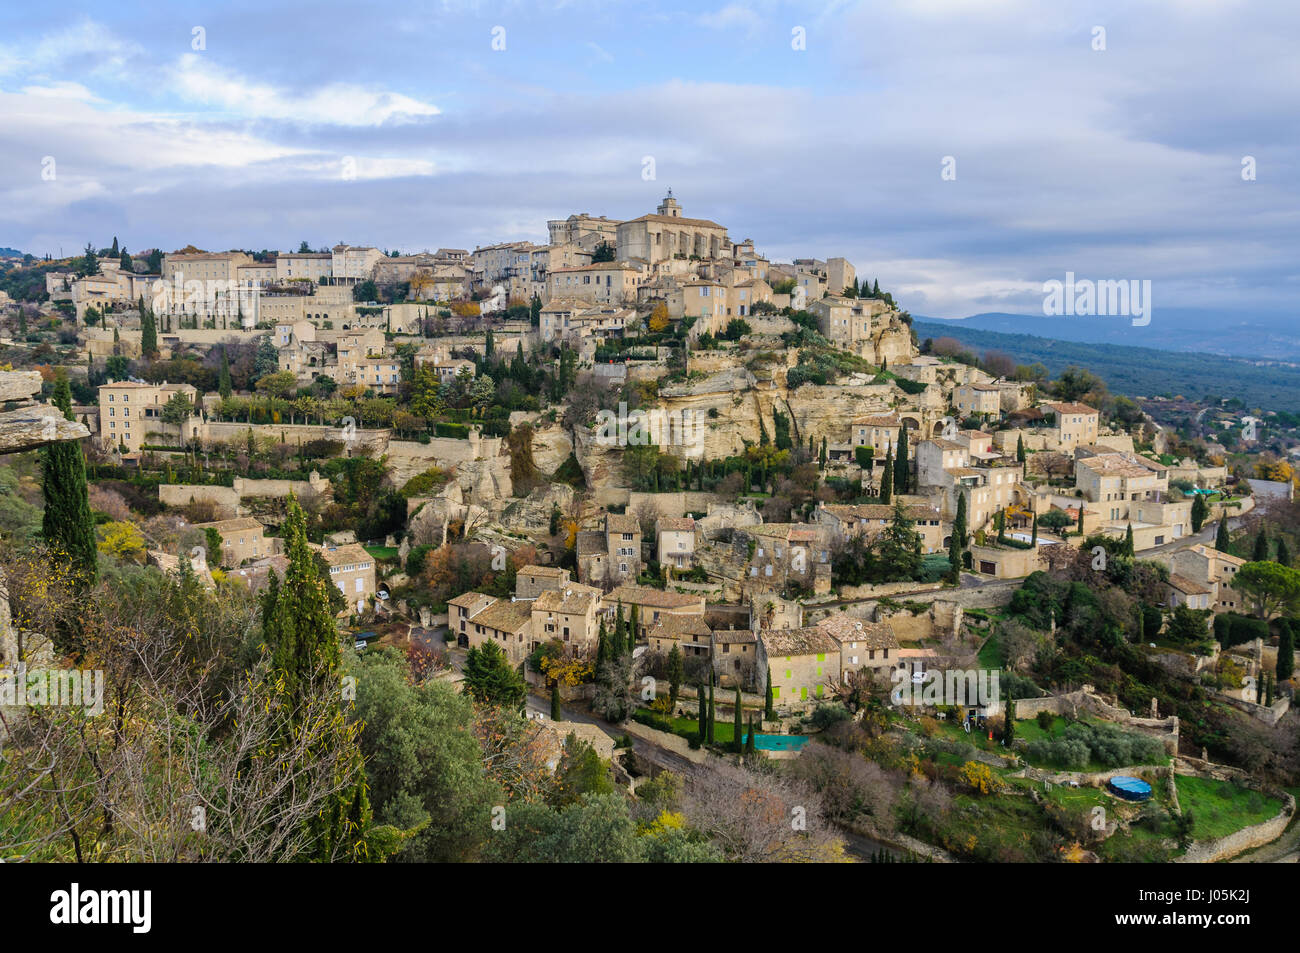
(911, 422)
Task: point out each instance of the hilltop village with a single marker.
(642, 473)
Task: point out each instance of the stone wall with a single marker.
(1257, 835)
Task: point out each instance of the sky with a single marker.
(961, 152)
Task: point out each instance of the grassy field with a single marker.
(382, 552)
(1221, 807)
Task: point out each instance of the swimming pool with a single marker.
(779, 742)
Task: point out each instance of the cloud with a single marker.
(198, 81)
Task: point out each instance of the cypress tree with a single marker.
(959, 522)
(1128, 541)
(224, 387)
(1009, 735)
(675, 673)
(299, 630)
(704, 716)
(148, 332)
(769, 711)
(1033, 540)
(901, 473)
(954, 558)
(66, 524)
(1261, 546)
(630, 634)
(1199, 512)
(1080, 517)
(1283, 553)
(616, 640)
(712, 712)
(750, 747)
(1285, 651)
(887, 481)
(1222, 541)
(556, 712)
(738, 728)
(1020, 448)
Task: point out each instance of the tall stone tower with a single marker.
(669, 206)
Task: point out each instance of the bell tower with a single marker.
(669, 206)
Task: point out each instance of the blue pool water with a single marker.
(779, 742)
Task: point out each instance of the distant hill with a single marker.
(11, 253)
(1140, 371)
(1171, 329)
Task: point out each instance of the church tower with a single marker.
(669, 206)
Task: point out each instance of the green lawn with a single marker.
(1221, 807)
(723, 731)
(382, 552)
(990, 656)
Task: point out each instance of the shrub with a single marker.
(1045, 719)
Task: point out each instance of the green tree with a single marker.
(899, 547)
(1128, 541)
(557, 712)
(1222, 541)
(1020, 448)
(1271, 588)
(738, 727)
(704, 715)
(490, 679)
(712, 713)
(224, 387)
(1285, 651)
(1009, 732)
(1283, 553)
(750, 747)
(1261, 546)
(1200, 512)
(887, 480)
(67, 525)
(676, 672)
(902, 473)
(769, 711)
(299, 630)
(422, 760)
(148, 333)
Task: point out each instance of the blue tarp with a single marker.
(1131, 789)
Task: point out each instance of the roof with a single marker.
(654, 598)
(232, 525)
(880, 511)
(347, 553)
(551, 571)
(1072, 408)
(575, 598)
(678, 626)
(468, 599)
(676, 220)
(505, 616)
(844, 628)
(1211, 553)
(621, 523)
(675, 524)
(1187, 586)
(590, 542)
(1119, 464)
(809, 640)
